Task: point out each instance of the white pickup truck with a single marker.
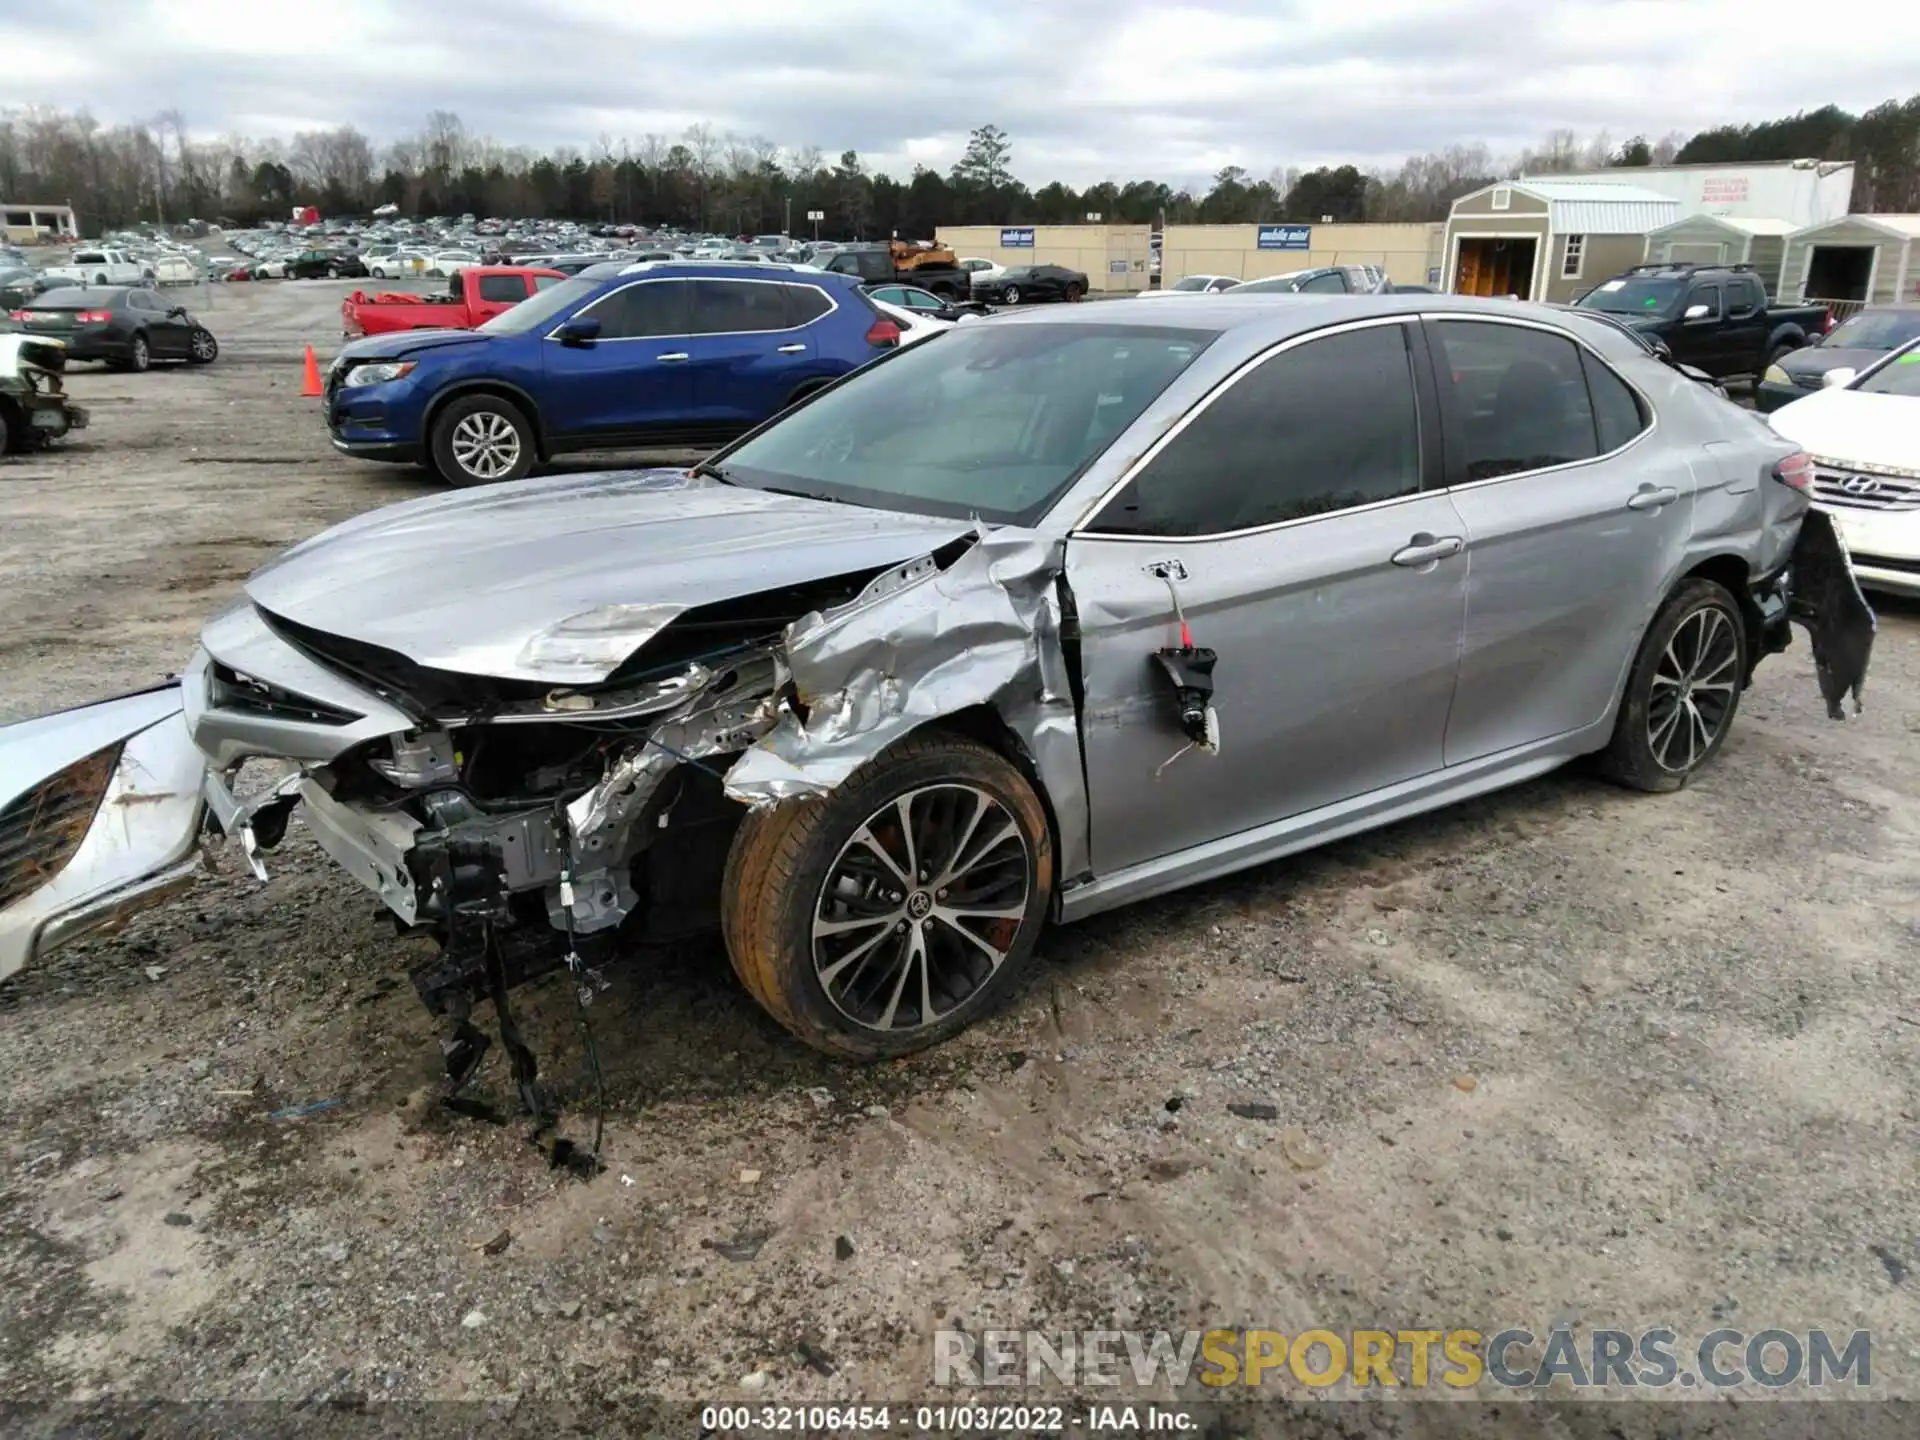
(103, 267)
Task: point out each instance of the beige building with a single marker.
(1112, 257)
(1406, 252)
(1724, 240)
(1548, 240)
(1855, 260)
(36, 224)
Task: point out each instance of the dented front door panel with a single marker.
(100, 813)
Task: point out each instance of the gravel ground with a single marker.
(1562, 1055)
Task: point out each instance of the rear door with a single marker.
(1577, 528)
(751, 345)
(1288, 517)
(633, 379)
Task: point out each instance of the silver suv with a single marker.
(1031, 620)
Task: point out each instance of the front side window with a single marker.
(1709, 296)
(1324, 426)
(993, 422)
(1515, 398)
(640, 311)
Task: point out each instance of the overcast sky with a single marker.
(1087, 89)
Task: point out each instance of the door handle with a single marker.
(1649, 497)
(790, 350)
(1424, 549)
(675, 355)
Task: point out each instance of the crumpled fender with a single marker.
(101, 809)
(922, 642)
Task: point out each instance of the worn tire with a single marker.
(782, 856)
(447, 422)
(1629, 758)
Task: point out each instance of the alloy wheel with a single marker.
(485, 444)
(921, 907)
(1013, 294)
(1693, 689)
(203, 346)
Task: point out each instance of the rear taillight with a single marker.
(93, 317)
(20, 314)
(883, 334)
(1796, 471)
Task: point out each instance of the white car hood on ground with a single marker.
(1868, 431)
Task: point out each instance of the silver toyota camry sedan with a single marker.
(1040, 617)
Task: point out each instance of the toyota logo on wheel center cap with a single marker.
(919, 905)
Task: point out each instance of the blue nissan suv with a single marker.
(618, 357)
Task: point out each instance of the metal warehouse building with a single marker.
(1548, 239)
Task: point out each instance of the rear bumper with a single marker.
(48, 415)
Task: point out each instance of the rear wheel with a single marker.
(1682, 692)
(481, 440)
(138, 356)
(1074, 292)
(897, 910)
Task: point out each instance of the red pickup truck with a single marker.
(474, 295)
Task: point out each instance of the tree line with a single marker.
(159, 171)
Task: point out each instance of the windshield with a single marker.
(1874, 330)
(1634, 297)
(536, 310)
(1290, 281)
(993, 422)
(1900, 376)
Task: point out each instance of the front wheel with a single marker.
(202, 348)
(1013, 294)
(481, 440)
(1682, 692)
(897, 910)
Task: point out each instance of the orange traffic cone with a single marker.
(312, 385)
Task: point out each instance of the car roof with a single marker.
(80, 297)
(718, 269)
(1254, 322)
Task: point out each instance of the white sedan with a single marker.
(451, 262)
(1863, 432)
(914, 326)
(1193, 285)
(978, 269)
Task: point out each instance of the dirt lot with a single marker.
(1565, 1055)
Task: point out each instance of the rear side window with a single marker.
(1325, 426)
(734, 307)
(657, 307)
(503, 287)
(1332, 283)
(1515, 399)
(1617, 414)
(805, 304)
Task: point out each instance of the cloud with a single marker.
(1088, 89)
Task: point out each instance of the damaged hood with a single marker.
(464, 581)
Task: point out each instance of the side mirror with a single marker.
(178, 312)
(579, 332)
(1696, 312)
(1838, 377)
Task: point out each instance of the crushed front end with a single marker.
(33, 393)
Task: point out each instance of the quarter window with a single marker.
(1516, 399)
(1325, 426)
(1617, 415)
(805, 304)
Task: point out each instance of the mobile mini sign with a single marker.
(1017, 239)
(1285, 237)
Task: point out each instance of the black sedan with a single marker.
(1025, 284)
(22, 287)
(330, 264)
(127, 327)
(1854, 343)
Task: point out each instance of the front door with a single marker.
(1576, 529)
(1289, 520)
(633, 379)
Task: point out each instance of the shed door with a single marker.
(1696, 254)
